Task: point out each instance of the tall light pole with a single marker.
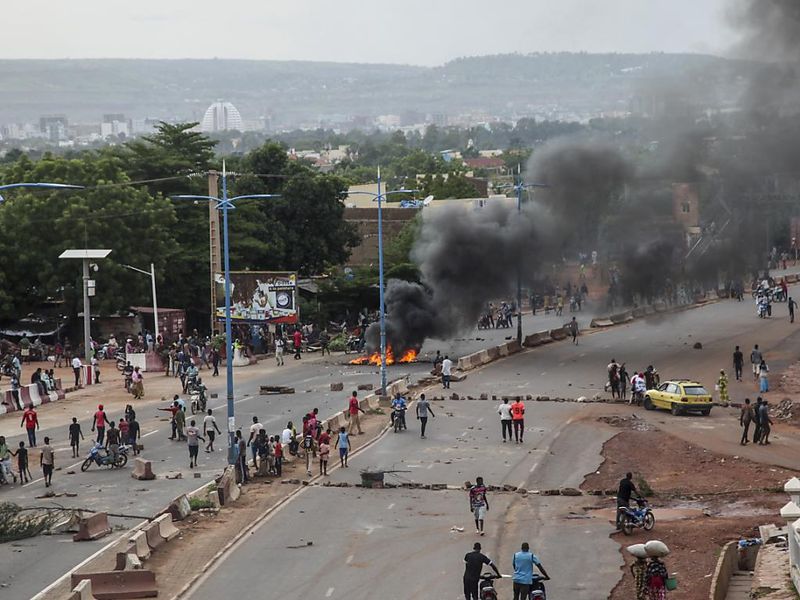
(519, 187)
(224, 204)
(152, 274)
(381, 287)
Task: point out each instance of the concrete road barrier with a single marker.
(165, 527)
(127, 561)
(230, 490)
(142, 469)
(179, 508)
(601, 322)
(649, 310)
(558, 334)
(494, 352)
(154, 538)
(8, 401)
(712, 295)
(623, 317)
(660, 306)
(140, 547)
(113, 585)
(513, 347)
(92, 528)
(792, 278)
(639, 312)
(82, 591)
(537, 339)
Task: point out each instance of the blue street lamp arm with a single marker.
(384, 195)
(221, 201)
(58, 186)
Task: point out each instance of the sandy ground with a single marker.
(701, 501)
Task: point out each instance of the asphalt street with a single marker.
(358, 535)
(31, 565)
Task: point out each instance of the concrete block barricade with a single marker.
(92, 528)
(638, 312)
(113, 585)
(649, 310)
(494, 352)
(82, 590)
(601, 322)
(537, 339)
(558, 334)
(25, 396)
(154, 538)
(660, 306)
(165, 527)
(142, 469)
(139, 544)
(513, 347)
(792, 278)
(712, 295)
(623, 317)
(8, 401)
(179, 508)
(227, 488)
(127, 561)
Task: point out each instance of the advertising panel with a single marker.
(259, 297)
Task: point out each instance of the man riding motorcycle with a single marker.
(399, 405)
(624, 493)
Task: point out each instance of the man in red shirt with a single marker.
(278, 456)
(31, 422)
(298, 343)
(353, 409)
(99, 422)
(518, 417)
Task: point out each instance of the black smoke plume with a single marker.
(467, 257)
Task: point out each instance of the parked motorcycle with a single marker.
(641, 517)
(102, 458)
(354, 344)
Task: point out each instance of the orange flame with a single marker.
(408, 356)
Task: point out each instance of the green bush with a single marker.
(339, 343)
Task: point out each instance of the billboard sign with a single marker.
(259, 297)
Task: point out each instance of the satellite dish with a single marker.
(427, 200)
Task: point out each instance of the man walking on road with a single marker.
(31, 422)
(745, 418)
(755, 361)
(523, 563)
(423, 408)
(193, 439)
(573, 330)
(766, 423)
(504, 410)
(353, 410)
(518, 417)
(47, 462)
(738, 363)
(757, 420)
(447, 368)
(99, 422)
(792, 305)
(478, 504)
(251, 441)
(75, 437)
(210, 429)
(473, 565)
(343, 444)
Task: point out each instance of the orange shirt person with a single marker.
(518, 418)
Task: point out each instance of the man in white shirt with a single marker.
(504, 411)
(76, 368)
(447, 367)
(210, 430)
(254, 429)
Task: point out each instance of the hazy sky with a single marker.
(425, 32)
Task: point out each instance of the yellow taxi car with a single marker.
(679, 396)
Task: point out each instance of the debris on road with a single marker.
(269, 390)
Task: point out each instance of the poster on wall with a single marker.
(259, 297)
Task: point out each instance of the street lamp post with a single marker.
(381, 287)
(224, 204)
(519, 187)
(152, 274)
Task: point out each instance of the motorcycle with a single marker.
(641, 517)
(98, 455)
(399, 419)
(486, 590)
(121, 360)
(354, 344)
(537, 588)
(197, 395)
(106, 351)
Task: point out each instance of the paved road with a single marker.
(400, 542)
(360, 534)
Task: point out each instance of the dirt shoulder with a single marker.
(701, 500)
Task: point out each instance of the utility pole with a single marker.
(215, 255)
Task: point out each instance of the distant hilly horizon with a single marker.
(292, 92)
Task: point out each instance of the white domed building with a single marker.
(221, 116)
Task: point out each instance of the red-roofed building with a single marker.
(492, 165)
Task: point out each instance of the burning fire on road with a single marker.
(408, 356)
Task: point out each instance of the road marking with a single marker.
(533, 468)
(430, 466)
(349, 559)
(543, 373)
(480, 420)
(522, 484)
(151, 433)
(329, 593)
(390, 507)
(370, 529)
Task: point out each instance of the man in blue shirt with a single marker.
(399, 403)
(523, 563)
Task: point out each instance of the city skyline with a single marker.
(421, 33)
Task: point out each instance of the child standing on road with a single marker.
(22, 463)
(324, 453)
(75, 436)
(343, 444)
